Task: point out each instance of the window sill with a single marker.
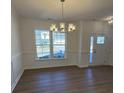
(44, 59)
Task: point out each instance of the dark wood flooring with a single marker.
(67, 80)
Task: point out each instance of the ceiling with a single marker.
(73, 9)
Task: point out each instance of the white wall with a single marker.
(28, 45)
(77, 42)
(97, 27)
(23, 55)
(16, 62)
(23, 45)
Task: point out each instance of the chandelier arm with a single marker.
(71, 27)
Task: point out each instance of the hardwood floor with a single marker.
(67, 80)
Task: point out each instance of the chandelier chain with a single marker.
(62, 10)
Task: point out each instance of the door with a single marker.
(96, 50)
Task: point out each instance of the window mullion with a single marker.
(51, 45)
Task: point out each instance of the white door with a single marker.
(97, 50)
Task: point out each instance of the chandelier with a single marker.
(109, 19)
(62, 27)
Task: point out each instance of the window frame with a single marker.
(103, 41)
(51, 47)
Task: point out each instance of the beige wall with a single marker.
(77, 42)
(110, 57)
(28, 45)
(16, 62)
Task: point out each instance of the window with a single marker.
(100, 39)
(50, 44)
(58, 45)
(42, 44)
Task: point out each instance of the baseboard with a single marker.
(16, 81)
(54, 66)
(85, 66)
(82, 66)
(30, 68)
(109, 65)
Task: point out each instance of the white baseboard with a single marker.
(16, 81)
(82, 66)
(38, 67)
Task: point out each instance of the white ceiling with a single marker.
(73, 9)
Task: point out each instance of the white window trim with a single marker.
(51, 48)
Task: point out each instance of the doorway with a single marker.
(96, 50)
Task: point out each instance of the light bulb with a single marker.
(56, 29)
(53, 27)
(71, 27)
(62, 27)
(110, 21)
